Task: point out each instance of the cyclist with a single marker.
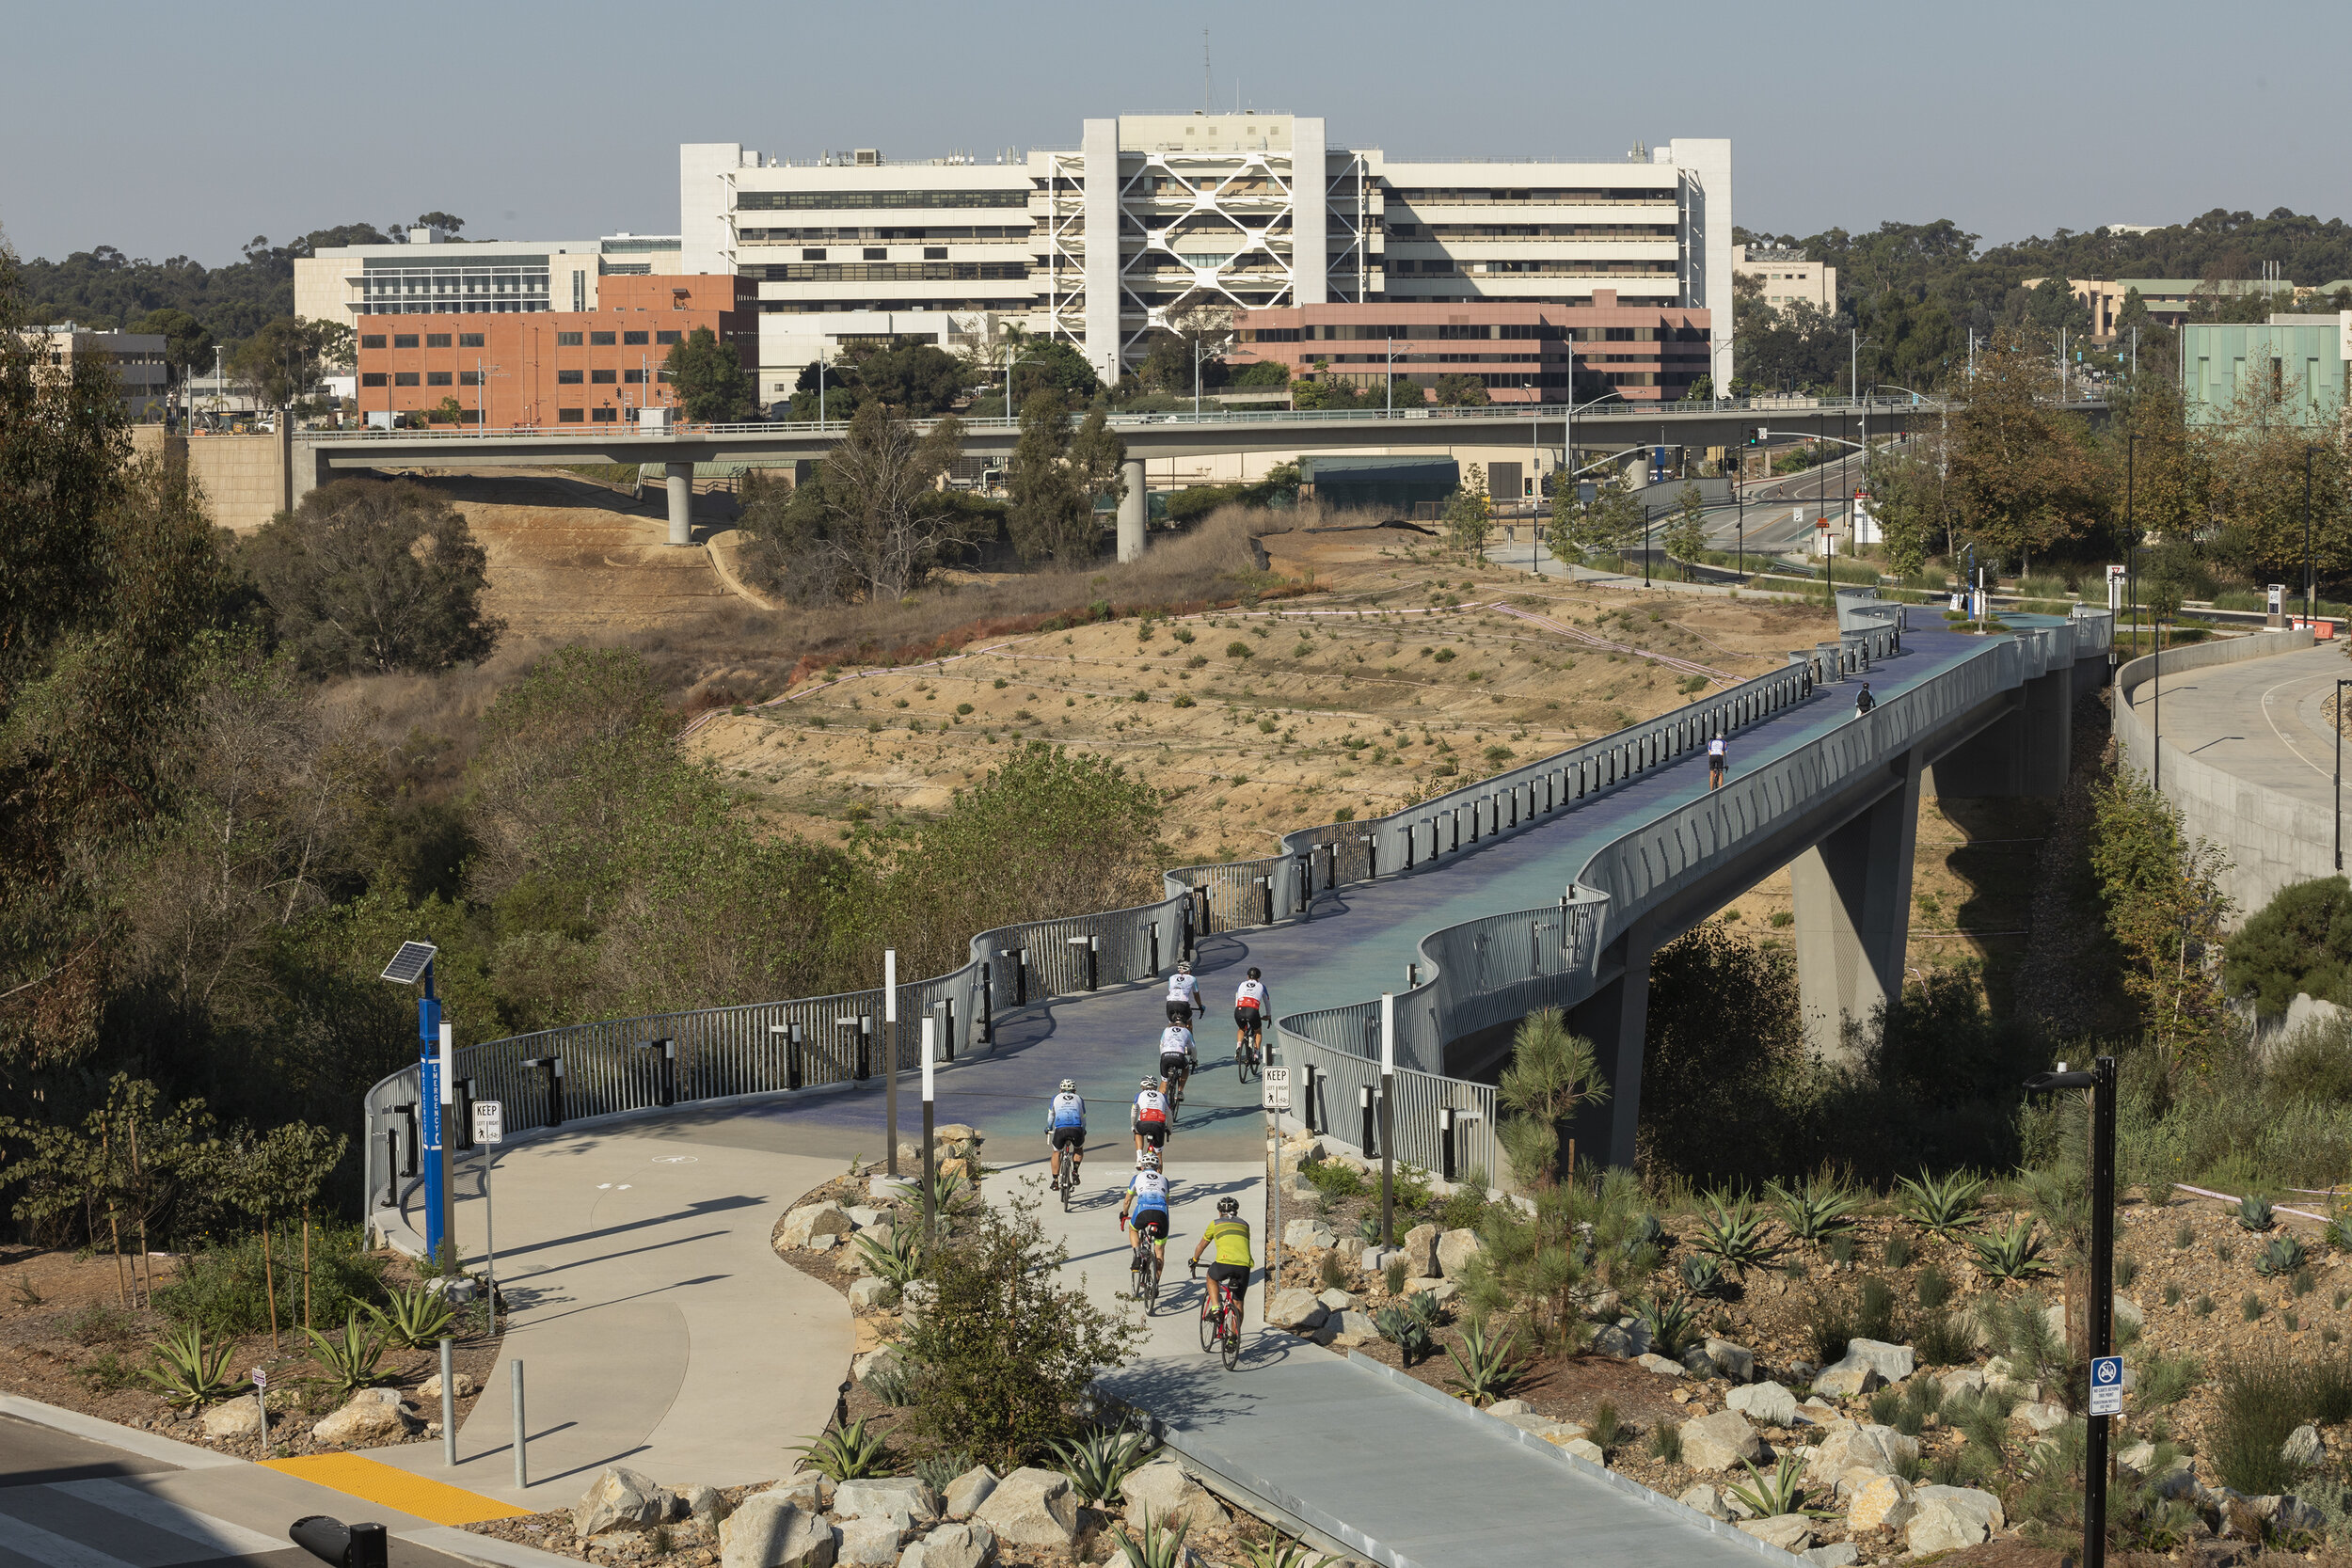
(1718, 762)
(1150, 1118)
(1183, 993)
(1230, 1233)
(1252, 1006)
(1066, 1126)
(1144, 1210)
(1175, 1060)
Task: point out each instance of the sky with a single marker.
(175, 130)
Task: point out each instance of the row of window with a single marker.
(785, 201)
(1461, 196)
(606, 339)
(475, 339)
(432, 378)
(432, 340)
(843, 306)
(935, 233)
(1370, 332)
(890, 272)
(1433, 360)
(1548, 266)
(604, 378)
(590, 416)
(1531, 230)
(882, 253)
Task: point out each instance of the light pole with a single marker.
(2310, 579)
(2100, 1081)
(436, 1090)
(1568, 438)
(2339, 724)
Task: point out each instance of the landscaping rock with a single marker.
(2039, 1415)
(770, 1531)
(1947, 1518)
(1733, 1362)
(1968, 1382)
(1420, 1250)
(1455, 1248)
(1660, 1366)
(810, 1220)
(871, 1292)
(237, 1418)
(2128, 1313)
(1301, 1234)
(1336, 1300)
(1850, 1379)
(1351, 1328)
(1613, 1342)
(2303, 1448)
(1162, 1493)
(1351, 1250)
(1508, 1408)
(1814, 1412)
(917, 1296)
(619, 1497)
(1706, 1499)
(1376, 1259)
(805, 1490)
(885, 1359)
(1032, 1508)
(1892, 1362)
(1882, 1503)
(868, 1542)
(865, 1216)
(706, 1505)
(968, 1491)
(429, 1391)
(2289, 1515)
(908, 1500)
(1723, 1441)
(1837, 1553)
(1878, 1450)
(1767, 1402)
(1583, 1449)
(373, 1417)
(956, 1546)
(1298, 1311)
(2138, 1457)
(1444, 1290)
(1790, 1532)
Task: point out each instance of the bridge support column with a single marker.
(1615, 1018)
(1853, 914)
(2025, 752)
(1133, 510)
(681, 476)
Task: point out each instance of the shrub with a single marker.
(188, 1372)
(1665, 1442)
(1898, 1251)
(1941, 1339)
(2301, 941)
(1334, 1278)
(1608, 1429)
(1337, 1180)
(1238, 649)
(1393, 1276)
(221, 1289)
(847, 1453)
(1489, 1366)
(1934, 1286)
(349, 1358)
(1098, 1462)
(414, 1319)
(2260, 1406)
(2164, 1379)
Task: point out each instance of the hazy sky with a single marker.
(187, 130)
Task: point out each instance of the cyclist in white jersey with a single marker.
(1175, 1060)
(1184, 994)
(1152, 1115)
(1066, 1128)
(1253, 1004)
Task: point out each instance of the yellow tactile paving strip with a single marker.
(357, 1475)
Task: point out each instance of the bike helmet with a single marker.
(1229, 1207)
(1183, 966)
(1253, 972)
(1070, 1086)
(1151, 1083)
(1147, 1160)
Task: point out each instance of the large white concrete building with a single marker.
(430, 274)
(137, 359)
(1151, 216)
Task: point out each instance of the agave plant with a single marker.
(1732, 1231)
(1672, 1325)
(350, 1357)
(1099, 1461)
(1369, 1228)
(1489, 1364)
(1814, 1211)
(1404, 1328)
(188, 1372)
(2282, 1254)
(414, 1319)
(895, 1256)
(2253, 1213)
(1280, 1551)
(1782, 1492)
(1702, 1274)
(1158, 1548)
(847, 1453)
(2014, 1252)
(1942, 1204)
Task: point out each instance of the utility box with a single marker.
(653, 421)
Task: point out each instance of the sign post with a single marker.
(2106, 1368)
(260, 1401)
(890, 1059)
(1388, 1119)
(931, 1167)
(489, 1129)
(1275, 1093)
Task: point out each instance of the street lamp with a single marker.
(2100, 1081)
(435, 1092)
(2339, 727)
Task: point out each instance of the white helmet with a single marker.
(1070, 1086)
(1149, 1083)
(1183, 966)
(1147, 1160)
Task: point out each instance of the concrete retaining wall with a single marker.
(2271, 839)
(242, 477)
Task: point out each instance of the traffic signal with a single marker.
(1754, 434)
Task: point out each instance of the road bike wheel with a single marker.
(1151, 1291)
(1142, 1273)
(1210, 1320)
(1230, 1330)
(1066, 1183)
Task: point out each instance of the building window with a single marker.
(812, 255)
(665, 336)
(602, 339)
(437, 378)
(635, 339)
(372, 339)
(375, 378)
(403, 339)
(436, 339)
(470, 339)
(606, 416)
(934, 253)
(567, 339)
(570, 378)
(571, 415)
(404, 379)
(633, 378)
(877, 253)
(602, 378)
(469, 378)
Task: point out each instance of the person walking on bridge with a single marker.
(1863, 701)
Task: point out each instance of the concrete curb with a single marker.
(1495, 1425)
(486, 1549)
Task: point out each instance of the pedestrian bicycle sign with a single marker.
(489, 1121)
(2106, 1385)
(1278, 1088)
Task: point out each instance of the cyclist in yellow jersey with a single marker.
(1230, 1233)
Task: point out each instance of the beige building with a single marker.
(1787, 278)
(2102, 298)
(137, 358)
(433, 274)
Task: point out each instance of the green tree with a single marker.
(2024, 480)
(916, 380)
(374, 574)
(712, 385)
(1461, 391)
(2165, 907)
(871, 519)
(187, 342)
(1056, 481)
(2252, 464)
(1469, 513)
(2301, 941)
(1552, 1072)
(1055, 363)
(1685, 536)
(287, 359)
(442, 221)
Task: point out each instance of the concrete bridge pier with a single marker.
(681, 480)
(1854, 913)
(2025, 751)
(1133, 511)
(1615, 1018)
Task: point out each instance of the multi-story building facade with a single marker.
(1152, 217)
(1787, 277)
(508, 367)
(430, 276)
(2305, 362)
(137, 359)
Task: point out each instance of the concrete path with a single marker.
(2263, 721)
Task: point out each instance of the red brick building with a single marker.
(1522, 353)
(551, 367)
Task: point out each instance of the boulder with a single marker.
(2138, 1457)
(2289, 1515)
(810, 1220)
(237, 1418)
(1878, 1450)
(1583, 1447)
(1850, 1379)
(1893, 1363)
(373, 1417)
(1298, 1311)
(1420, 1250)
(865, 1216)
(806, 1490)
(1697, 1362)
(620, 1543)
(1733, 1362)
(1444, 1290)
(908, 1500)
(429, 1392)
(1613, 1342)
(1767, 1402)
(1336, 1300)
(1508, 1408)
(883, 1359)
(1520, 1415)
(2303, 1448)
(1298, 1235)
(957, 1132)
(616, 1497)
(870, 1292)
(1882, 1503)
(1706, 1499)
(1818, 1413)
(2128, 1313)
(1160, 1492)
(1376, 1258)
(826, 1243)
(969, 1490)
(917, 1296)
(1837, 1553)
(1455, 1248)
(770, 1531)
(1967, 1382)
(1790, 1532)
(1351, 1328)
(705, 1506)
(1947, 1518)
(2039, 1415)
(870, 1542)
(1723, 1441)
(954, 1545)
(1351, 1250)
(1031, 1508)
(1649, 1362)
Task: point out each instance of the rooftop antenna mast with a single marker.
(1204, 71)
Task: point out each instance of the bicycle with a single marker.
(1068, 1181)
(1246, 1058)
(1146, 1269)
(1220, 1321)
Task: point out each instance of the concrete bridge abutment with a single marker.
(1615, 1018)
(1852, 892)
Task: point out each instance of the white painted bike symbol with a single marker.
(674, 1159)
